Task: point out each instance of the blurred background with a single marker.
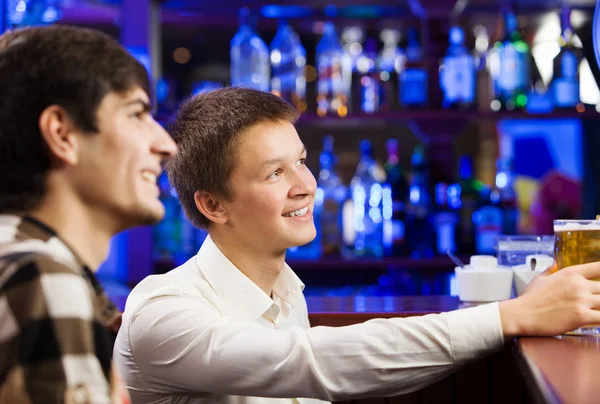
(431, 125)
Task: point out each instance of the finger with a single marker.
(589, 271)
(595, 287)
(595, 302)
(592, 317)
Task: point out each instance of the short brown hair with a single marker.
(54, 65)
(207, 128)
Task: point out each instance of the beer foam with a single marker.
(573, 226)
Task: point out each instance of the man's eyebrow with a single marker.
(279, 160)
(138, 101)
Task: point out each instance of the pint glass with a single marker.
(577, 242)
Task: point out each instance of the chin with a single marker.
(301, 240)
(147, 215)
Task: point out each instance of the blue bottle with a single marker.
(331, 197)
(420, 233)
(565, 83)
(457, 73)
(367, 193)
(413, 79)
(504, 195)
(445, 221)
(288, 62)
(488, 227)
(249, 57)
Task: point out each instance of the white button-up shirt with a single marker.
(205, 333)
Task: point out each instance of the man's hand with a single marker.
(554, 302)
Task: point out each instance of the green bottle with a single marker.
(511, 72)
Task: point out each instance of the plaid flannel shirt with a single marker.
(55, 346)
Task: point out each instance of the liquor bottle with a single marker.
(470, 194)
(397, 181)
(390, 64)
(332, 195)
(512, 78)
(565, 83)
(487, 222)
(366, 81)
(333, 85)
(457, 73)
(413, 80)
(366, 190)
(288, 62)
(483, 86)
(249, 57)
(504, 195)
(445, 221)
(420, 233)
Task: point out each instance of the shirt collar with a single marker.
(248, 300)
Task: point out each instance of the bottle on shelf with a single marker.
(367, 193)
(332, 194)
(333, 81)
(445, 221)
(504, 196)
(511, 73)
(396, 179)
(413, 79)
(420, 234)
(470, 191)
(250, 66)
(487, 222)
(565, 81)
(390, 64)
(365, 80)
(457, 73)
(483, 85)
(288, 63)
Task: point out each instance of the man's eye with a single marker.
(275, 174)
(140, 114)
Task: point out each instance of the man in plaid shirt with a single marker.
(79, 158)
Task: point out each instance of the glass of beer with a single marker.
(577, 242)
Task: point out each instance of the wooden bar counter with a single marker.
(529, 370)
(563, 369)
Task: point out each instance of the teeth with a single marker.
(299, 212)
(148, 176)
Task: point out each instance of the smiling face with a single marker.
(273, 189)
(118, 167)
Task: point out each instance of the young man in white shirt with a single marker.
(231, 324)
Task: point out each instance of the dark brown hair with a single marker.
(54, 65)
(207, 129)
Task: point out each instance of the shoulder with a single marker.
(43, 285)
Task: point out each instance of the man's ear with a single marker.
(59, 133)
(212, 208)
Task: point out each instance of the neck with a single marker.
(261, 267)
(86, 233)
